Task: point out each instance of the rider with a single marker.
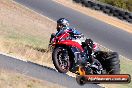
(63, 25)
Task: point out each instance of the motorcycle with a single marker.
(82, 58)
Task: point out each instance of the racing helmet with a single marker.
(61, 23)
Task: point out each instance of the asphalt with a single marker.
(107, 35)
(40, 72)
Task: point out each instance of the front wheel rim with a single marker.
(62, 60)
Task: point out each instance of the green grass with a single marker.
(12, 34)
(126, 68)
(28, 40)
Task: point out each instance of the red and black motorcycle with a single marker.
(70, 54)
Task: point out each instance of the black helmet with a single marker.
(62, 22)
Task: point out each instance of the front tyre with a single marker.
(61, 59)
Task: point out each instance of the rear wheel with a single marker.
(61, 59)
(110, 61)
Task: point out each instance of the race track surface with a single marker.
(40, 72)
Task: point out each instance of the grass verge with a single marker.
(24, 32)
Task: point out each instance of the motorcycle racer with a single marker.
(68, 54)
(62, 26)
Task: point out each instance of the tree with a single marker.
(129, 5)
(120, 4)
(124, 4)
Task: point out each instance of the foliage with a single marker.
(129, 5)
(124, 4)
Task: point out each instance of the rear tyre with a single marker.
(60, 59)
(110, 61)
(113, 63)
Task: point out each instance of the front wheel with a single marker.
(61, 59)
